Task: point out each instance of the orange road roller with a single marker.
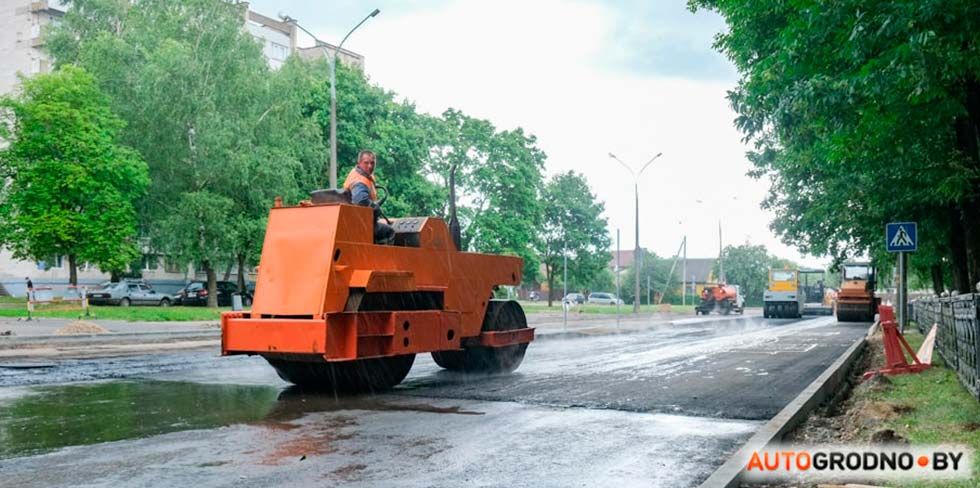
(333, 310)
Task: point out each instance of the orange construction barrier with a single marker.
(895, 348)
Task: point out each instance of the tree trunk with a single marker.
(957, 251)
(114, 276)
(967, 129)
(551, 282)
(228, 271)
(212, 284)
(241, 273)
(971, 234)
(937, 278)
(72, 270)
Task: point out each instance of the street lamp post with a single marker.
(333, 88)
(637, 260)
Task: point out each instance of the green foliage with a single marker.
(604, 280)
(222, 134)
(370, 117)
(748, 267)
(572, 223)
(862, 113)
(499, 179)
(71, 186)
(657, 271)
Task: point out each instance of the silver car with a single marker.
(603, 298)
(125, 293)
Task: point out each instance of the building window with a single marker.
(278, 51)
(150, 262)
(172, 266)
(50, 263)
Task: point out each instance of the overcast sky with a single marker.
(587, 77)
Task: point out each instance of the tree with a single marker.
(655, 271)
(220, 134)
(70, 185)
(862, 113)
(370, 117)
(500, 179)
(572, 224)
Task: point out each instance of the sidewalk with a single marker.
(41, 327)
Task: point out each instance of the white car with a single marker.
(602, 298)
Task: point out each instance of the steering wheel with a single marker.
(381, 201)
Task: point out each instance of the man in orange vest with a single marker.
(360, 184)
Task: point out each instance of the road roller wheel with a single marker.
(501, 315)
(362, 375)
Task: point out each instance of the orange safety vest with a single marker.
(355, 177)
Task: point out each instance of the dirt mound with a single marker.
(81, 327)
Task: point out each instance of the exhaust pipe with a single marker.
(453, 221)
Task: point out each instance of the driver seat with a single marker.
(330, 196)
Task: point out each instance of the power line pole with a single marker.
(721, 256)
(684, 275)
(617, 278)
(564, 306)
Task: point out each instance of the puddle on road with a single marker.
(51, 417)
(47, 418)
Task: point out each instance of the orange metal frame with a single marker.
(895, 348)
(315, 256)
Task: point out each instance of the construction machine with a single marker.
(334, 310)
(817, 298)
(783, 297)
(856, 300)
(720, 298)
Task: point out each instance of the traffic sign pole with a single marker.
(902, 238)
(903, 290)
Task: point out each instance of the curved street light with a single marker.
(333, 87)
(637, 260)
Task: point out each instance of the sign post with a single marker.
(902, 238)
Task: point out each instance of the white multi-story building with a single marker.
(22, 25)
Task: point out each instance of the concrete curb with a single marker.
(25, 342)
(729, 474)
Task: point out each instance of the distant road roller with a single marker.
(333, 310)
(856, 300)
(783, 297)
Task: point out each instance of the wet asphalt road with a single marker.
(662, 407)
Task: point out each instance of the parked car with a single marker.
(533, 296)
(196, 293)
(574, 299)
(603, 298)
(125, 293)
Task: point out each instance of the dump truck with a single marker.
(783, 297)
(856, 300)
(333, 310)
(817, 297)
(721, 298)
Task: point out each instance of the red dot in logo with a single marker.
(923, 461)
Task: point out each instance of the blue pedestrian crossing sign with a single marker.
(901, 237)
